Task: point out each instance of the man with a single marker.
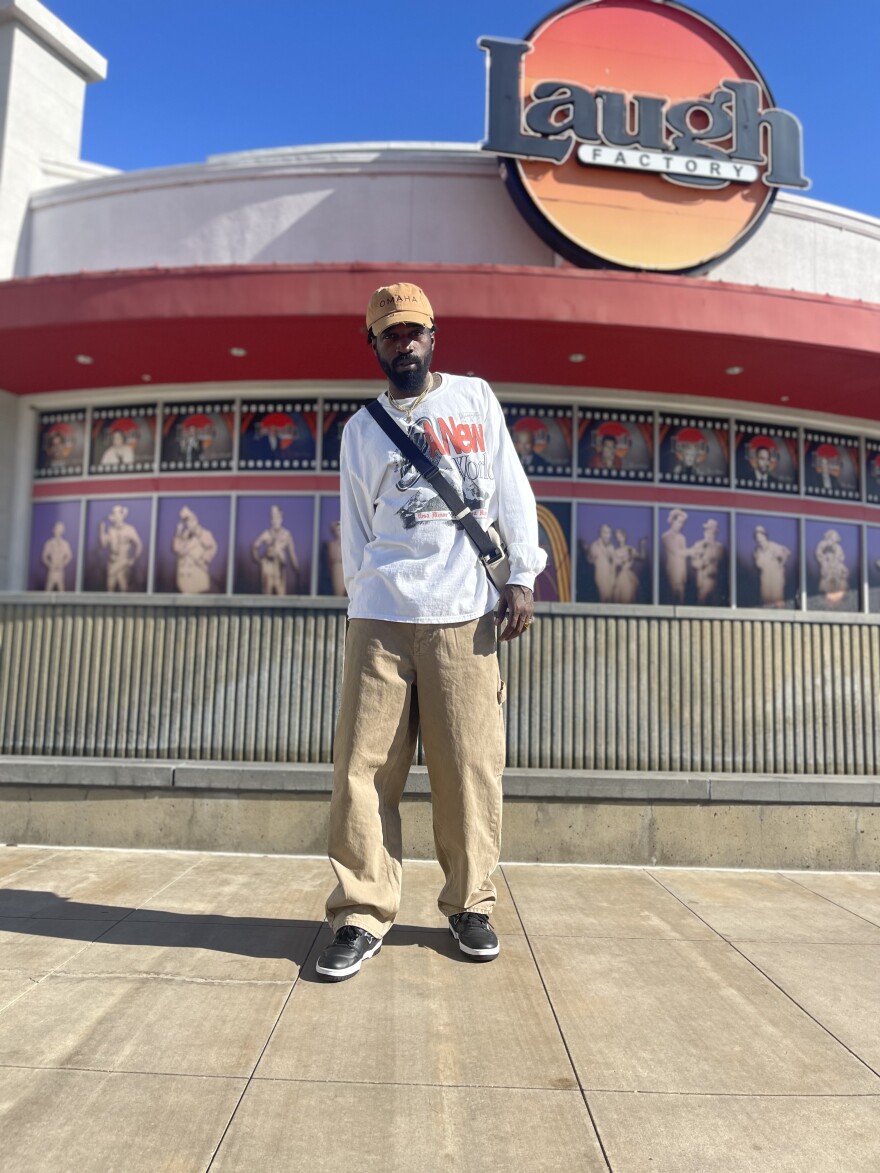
(600, 555)
(675, 556)
(706, 558)
(56, 556)
(770, 559)
(421, 644)
(524, 442)
(119, 452)
(274, 551)
(607, 455)
(124, 544)
(763, 462)
(194, 547)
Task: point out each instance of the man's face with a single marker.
(117, 515)
(609, 450)
(404, 352)
(605, 534)
(762, 459)
(275, 517)
(687, 454)
(523, 442)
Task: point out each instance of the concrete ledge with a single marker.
(631, 832)
(574, 785)
(31, 771)
(268, 776)
(814, 791)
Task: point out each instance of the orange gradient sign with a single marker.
(637, 135)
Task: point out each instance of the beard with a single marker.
(411, 380)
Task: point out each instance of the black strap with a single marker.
(488, 551)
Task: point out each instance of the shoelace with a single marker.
(468, 919)
(348, 934)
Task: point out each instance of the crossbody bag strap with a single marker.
(488, 551)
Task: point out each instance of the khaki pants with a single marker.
(398, 677)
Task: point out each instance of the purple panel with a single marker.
(192, 545)
(117, 544)
(54, 546)
(273, 545)
(614, 553)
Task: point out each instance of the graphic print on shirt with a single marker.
(464, 444)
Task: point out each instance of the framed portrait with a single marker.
(61, 439)
(833, 564)
(694, 450)
(336, 414)
(766, 458)
(54, 546)
(694, 556)
(123, 440)
(615, 554)
(330, 577)
(767, 561)
(872, 552)
(553, 584)
(616, 445)
(273, 545)
(831, 466)
(541, 435)
(278, 435)
(872, 471)
(197, 437)
(192, 545)
(117, 544)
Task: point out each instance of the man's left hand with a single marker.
(517, 605)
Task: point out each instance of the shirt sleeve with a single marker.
(355, 509)
(517, 509)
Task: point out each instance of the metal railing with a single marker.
(643, 689)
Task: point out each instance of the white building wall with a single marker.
(44, 70)
(317, 205)
(410, 203)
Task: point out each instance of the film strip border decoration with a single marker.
(554, 441)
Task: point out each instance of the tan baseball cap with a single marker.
(398, 303)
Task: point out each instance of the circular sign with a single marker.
(645, 137)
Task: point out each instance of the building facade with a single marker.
(181, 348)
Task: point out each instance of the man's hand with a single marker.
(517, 605)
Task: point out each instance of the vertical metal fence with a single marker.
(640, 691)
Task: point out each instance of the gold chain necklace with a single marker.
(408, 411)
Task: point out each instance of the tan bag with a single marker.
(499, 570)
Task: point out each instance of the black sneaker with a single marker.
(475, 935)
(342, 959)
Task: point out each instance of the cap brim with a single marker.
(412, 317)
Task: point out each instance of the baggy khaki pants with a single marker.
(398, 677)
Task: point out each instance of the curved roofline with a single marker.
(324, 158)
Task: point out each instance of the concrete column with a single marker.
(44, 70)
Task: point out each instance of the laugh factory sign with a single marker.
(637, 135)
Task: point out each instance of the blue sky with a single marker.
(192, 78)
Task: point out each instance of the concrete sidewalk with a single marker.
(160, 1011)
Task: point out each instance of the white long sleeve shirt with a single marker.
(403, 557)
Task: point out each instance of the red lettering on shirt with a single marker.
(459, 437)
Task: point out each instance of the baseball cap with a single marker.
(398, 303)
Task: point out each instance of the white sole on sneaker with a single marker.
(487, 954)
(340, 974)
